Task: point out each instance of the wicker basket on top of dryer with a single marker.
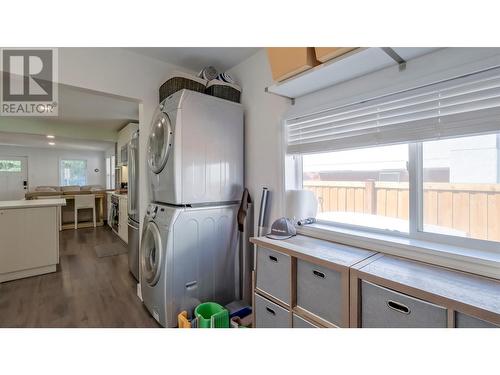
(208, 82)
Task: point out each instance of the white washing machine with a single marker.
(195, 150)
(187, 257)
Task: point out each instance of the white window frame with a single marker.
(416, 214)
(73, 159)
(416, 231)
(466, 254)
(337, 224)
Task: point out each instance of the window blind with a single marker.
(460, 106)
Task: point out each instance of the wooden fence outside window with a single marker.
(471, 208)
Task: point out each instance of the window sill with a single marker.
(481, 262)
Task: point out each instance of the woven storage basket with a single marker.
(224, 90)
(181, 81)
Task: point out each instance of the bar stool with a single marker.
(84, 201)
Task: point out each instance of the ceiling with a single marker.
(87, 120)
(85, 108)
(78, 106)
(41, 141)
(196, 58)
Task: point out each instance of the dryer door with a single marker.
(151, 250)
(160, 142)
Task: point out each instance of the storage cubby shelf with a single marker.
(351, 65)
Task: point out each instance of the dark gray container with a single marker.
(319, 291)
(385, 308)
(273, 274)
(269, 314)
(466, 321)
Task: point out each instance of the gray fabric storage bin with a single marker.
(269, 314)
(319, 291)
(273, 273)
(299, 322)
(385, 308)
(466, 321)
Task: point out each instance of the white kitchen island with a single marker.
(29, 237)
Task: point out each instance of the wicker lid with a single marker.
(192, 77)
(216, 82)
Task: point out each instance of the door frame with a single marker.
(6, 156)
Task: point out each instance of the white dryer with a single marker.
(187, 257)
(195, 150)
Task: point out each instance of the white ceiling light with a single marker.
(52, 143)
(50, 136)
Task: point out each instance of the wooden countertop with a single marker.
(32, 203)
(36, 194)
(314, 250)
(472, 294)
(480, 292)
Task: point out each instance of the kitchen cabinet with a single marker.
(29, 237)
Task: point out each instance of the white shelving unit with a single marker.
(353, 64)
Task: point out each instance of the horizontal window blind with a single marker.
(461, 106)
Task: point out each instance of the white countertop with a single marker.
(32, 203)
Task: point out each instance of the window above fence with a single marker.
(454, 185)
(461, 187)
(422, 163)
(366, 187)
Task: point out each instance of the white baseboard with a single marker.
(27, 273)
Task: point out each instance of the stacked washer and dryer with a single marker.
(190, 239)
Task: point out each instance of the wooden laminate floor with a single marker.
(86, 291)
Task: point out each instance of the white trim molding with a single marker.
(480, 262)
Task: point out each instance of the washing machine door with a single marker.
(160, 142)
(152, 254)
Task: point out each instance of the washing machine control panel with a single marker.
(152, 210)
(163, 215)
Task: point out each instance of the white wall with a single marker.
(43, 164)
(122, 73)
(263, 131)
(264, 112)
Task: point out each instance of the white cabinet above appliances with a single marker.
(124, 137)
